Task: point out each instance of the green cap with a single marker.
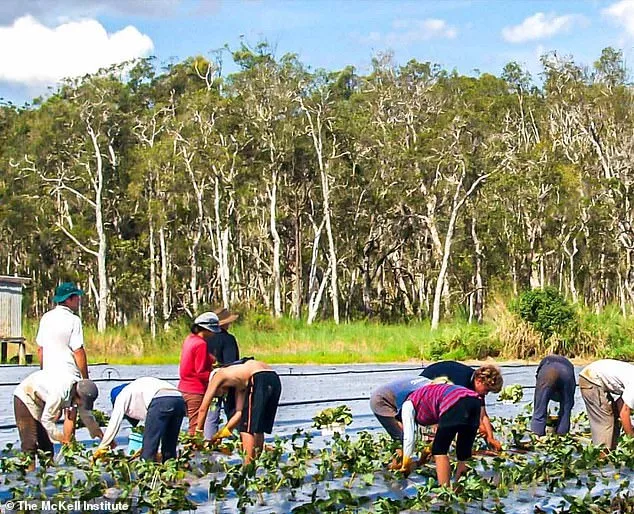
(66, 290)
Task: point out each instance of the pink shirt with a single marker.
(433, 400)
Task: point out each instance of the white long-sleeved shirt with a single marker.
(408, 417)
(133, 401)
(46, 395)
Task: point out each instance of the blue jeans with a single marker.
(162, 426)
(555, 381)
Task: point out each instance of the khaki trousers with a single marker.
(602, 412)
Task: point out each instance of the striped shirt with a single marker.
(433, 400)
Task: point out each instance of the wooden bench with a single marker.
(20, 341)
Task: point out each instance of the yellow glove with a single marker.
(222, 433)
(425, 454)
(99, 453)
(408, 465)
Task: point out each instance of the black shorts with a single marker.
(260, 403)
(462, 419)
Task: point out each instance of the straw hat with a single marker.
(225, 317)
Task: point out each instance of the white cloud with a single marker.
(407, 32)
(622, 13)
(541, 26)
(40, 55)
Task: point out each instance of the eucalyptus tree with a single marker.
(317, 106)
(464, 159)
(86, 122)
(395, 111)
(265, 89)
(152, 171)
(591, 126)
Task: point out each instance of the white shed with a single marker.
(11, 316)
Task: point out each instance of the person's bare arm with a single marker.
(213, 385)
(69, 425)
(81, 361)
(624, 415)
(237, 415)
(40, 356)
(487, 428)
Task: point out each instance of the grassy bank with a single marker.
(503, 336)
(286, 341)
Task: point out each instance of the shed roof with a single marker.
(7, 279)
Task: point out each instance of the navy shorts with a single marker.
(260, 403)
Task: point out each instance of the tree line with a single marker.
(409, 192)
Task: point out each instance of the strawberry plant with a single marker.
(340, 415)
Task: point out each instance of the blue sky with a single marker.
(50, 39)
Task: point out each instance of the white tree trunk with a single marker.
(102, 276)
(152, 299)
(275, 265)
(332, 253)
(165, 297)
(200, 218)
(478, 294)
(457, 204)
(315, 289)
(222, 244)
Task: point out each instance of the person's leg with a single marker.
(155, 422)
(616, 424)
(439, 449)
(600, 413)
(391, 426)
(27, 429)
(212, 423)
(443, 469)
(174, 411)
(192, 401)
(44, 442)
(543, 391)
(567, 402)
(464, 447)
(248, 445)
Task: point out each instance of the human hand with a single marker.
(99, 453)
(494, 444)
(425, 454)
(408, 465)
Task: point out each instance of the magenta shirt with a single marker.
(433, 400)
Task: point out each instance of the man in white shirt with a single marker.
(60, 337)
(607, 388)
(41, 399)
(154, 401)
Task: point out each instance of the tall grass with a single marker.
(291, 341)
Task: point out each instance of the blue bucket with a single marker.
(135, 442)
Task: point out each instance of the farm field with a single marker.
(305, 472)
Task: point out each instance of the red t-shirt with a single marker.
(195, 365)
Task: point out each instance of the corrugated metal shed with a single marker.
(11, 306)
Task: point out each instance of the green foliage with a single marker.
(512, 393)
(100, 417)
(547, 311)
(333, 415)
(339, 473)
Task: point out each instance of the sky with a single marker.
(43, 41)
